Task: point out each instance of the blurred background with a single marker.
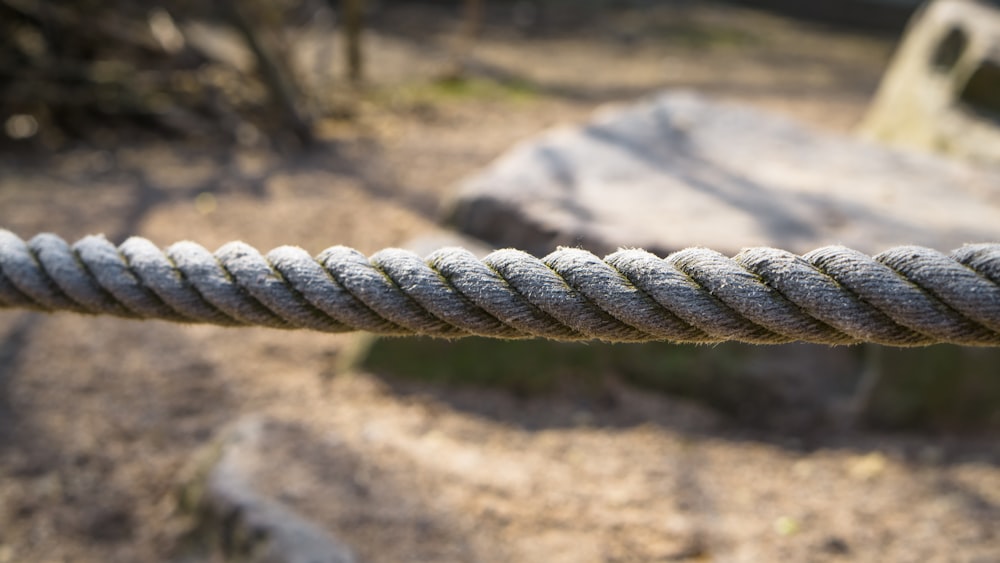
(365, 123)
(288, 73)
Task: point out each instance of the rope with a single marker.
(906, 296)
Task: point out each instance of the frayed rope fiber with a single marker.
(906, 296)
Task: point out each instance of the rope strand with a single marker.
(906, 296)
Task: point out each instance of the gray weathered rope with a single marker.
(907, 296)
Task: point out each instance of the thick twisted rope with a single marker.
(907, 296)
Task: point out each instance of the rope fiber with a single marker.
(906, 296)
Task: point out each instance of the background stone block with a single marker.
(942, 90)
(682, 170)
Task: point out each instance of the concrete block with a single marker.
(942, 89)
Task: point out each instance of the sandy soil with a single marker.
(99, 415)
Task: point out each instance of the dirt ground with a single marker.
(99, 415)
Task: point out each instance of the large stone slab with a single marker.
(683, 170)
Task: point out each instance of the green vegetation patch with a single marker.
(454, 89)
(939, 387)
(732, 378)
(700, 36)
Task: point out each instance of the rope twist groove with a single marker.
(906, 296)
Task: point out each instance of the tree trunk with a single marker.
(353, 15)
(473, 20)
(472, 23)
(275, 72)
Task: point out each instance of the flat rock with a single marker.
(240, 516)
(278, 489)
(682, 170)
